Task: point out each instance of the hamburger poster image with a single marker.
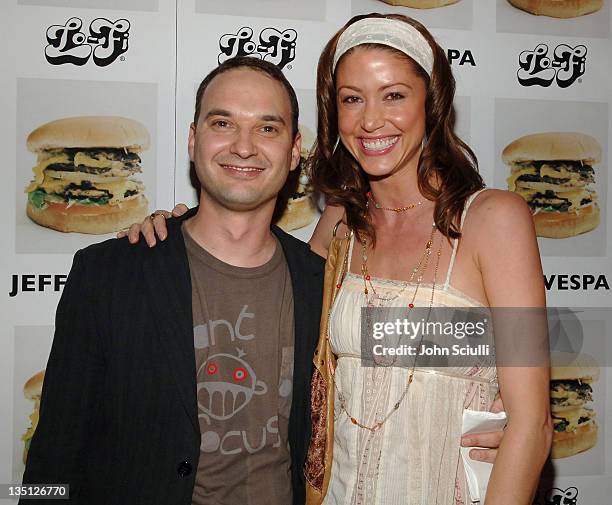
(31, 351)
(313, 10)
(86, 166)
(554, 154)
(567, 18)
(580, 364)
(454, 14)
(133, 5)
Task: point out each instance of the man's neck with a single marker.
(241, 239)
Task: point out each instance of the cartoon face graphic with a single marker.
(226, 385)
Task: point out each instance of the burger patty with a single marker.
(70, 167)
(110, 153)
(83, 193)
(546, 178)
(86, 190)
(561, 424)
(553, 201)
(566, 423)
(570, 392)
(584, 171)
(98, 161)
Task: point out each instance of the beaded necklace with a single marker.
(420, 269)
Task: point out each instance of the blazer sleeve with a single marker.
(72, 388)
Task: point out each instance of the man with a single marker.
(180, 373)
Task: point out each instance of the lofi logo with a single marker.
(273, 45)
(107, 40)
(556, 496)
(540, 68)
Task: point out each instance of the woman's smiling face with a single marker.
(381, 109)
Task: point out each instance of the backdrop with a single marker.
(517, 74)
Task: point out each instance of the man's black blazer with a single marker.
(118, 416)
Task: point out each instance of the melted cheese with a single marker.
(40, 168)
(516, 173)
(572, 416)
(116, 188)
(45, 159)
(83, 159)
(561, 173)
(81, 176)
(526, 193)
(554, 393)
(574, 196)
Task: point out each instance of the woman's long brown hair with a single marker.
(447, 171)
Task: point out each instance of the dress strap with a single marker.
(468, 202)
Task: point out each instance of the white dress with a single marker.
(414, 457)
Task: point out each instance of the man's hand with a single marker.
(153, 226)
(489, 440)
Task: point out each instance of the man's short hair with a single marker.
(258, 65)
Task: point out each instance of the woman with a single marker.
(398, 232)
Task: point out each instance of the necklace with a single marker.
(392, 209)
(418, 269)
(424, 260)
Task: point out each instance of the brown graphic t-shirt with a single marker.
(243, 338)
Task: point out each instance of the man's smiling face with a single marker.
(242, 145)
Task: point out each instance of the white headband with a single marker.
(388, 32)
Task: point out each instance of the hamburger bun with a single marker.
(570, 366)
(89, 132)
(299, 213)
(553, 146)
(32, 389)
(90, 218)
(566, 224)
(308, 140)
(568, 444)
(558, 8)
(301, 208)
(421, 4)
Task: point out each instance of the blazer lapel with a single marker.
(307, 282)
(169, 287)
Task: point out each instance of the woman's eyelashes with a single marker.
(390, 97)
(394, 95)
(349, 99)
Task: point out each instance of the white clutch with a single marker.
(478, 472)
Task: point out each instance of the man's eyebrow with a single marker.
(274, 118)
(218, 112)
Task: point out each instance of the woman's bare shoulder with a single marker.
(496, 207)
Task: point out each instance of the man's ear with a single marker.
(296, 151)
(191, 141)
